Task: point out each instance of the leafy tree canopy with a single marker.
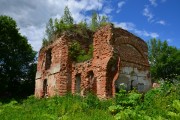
(164, 60)
(17, 60)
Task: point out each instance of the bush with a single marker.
(77, 54)
(175, 114)
(155, 104)
(131, 99)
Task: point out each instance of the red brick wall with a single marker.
(114, 49)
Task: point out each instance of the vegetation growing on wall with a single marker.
(81, 31)
(78, 54)
(97, 21)
(66, 23)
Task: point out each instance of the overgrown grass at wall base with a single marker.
(157, 104)
(68, 107)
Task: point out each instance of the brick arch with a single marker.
(129, 53)
(133, 42)
(136, 48)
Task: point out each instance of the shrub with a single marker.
(175, 115)
(77, 54)
(130, 99)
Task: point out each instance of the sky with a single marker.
(147, 19)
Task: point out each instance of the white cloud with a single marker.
(162, 22)
(34, 35)
(126, 25)
(147, 13)
(146, 34)
(132, 27)
(169, 40)
(107, 10)
(153, 3)
(150, 16)
(31, 16)
(120, 5)
(118, 11)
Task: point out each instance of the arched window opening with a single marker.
(48, 59)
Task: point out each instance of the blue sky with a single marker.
(145, 18)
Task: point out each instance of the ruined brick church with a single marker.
(119, 58)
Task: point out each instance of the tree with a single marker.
(17, 61)
(98, 21)
(57, 26)
(50, 29)
(94, 22)
(83, 24)
(50, 33)
(67, 18)
(103, 21)
(164, 60)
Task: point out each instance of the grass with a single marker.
(68, 107)
(161, 103)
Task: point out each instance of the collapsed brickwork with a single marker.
(119, 57)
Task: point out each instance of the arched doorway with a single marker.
(78, 83)
(112, 73)
(92, 82)
(134, 81)
(121, 83)
(45, 88)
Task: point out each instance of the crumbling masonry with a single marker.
(119, 57)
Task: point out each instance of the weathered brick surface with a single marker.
(119, 57)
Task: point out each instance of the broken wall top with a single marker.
(116, 41)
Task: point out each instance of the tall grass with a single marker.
(68, 107)
(157, 104)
